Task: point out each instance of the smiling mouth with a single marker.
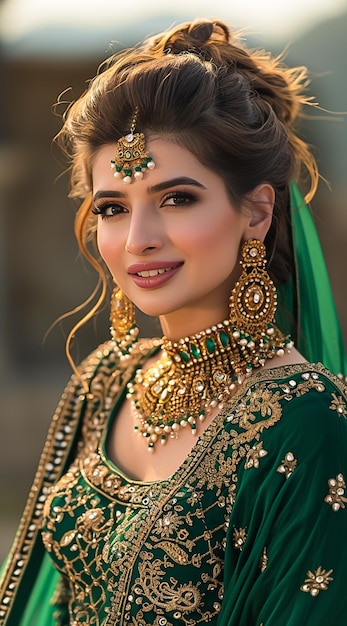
(148, 273)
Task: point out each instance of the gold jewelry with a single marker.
(197, 374)
(131, 159)
(253, 300)
(124, 330)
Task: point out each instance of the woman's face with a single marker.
(171, 240)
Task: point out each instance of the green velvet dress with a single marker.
(249, 531)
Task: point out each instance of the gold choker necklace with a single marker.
(196, 375)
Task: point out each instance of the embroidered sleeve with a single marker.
(286, 550)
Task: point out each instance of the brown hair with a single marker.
(234, 109)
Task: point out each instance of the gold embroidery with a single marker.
(339, 405)
(169, 524)
(254, 454)
(239, 538)
(156, 592)
(317, 581)
(264, 560)
(336, 497)
(174, 551)
(261, 399)
(288, 465)
(294, 389)
(57, 448)
(100, 555)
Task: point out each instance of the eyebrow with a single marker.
(174, 182)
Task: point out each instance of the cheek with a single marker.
(107, 243)
(101, 241)
(222, 235)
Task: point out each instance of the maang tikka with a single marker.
(131, 158)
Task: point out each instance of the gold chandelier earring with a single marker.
(124, 330)
(253, 304)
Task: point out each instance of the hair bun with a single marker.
(208, 32)
(202, 37)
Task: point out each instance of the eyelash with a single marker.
(183, 196)
(187, 198)
(102, 208)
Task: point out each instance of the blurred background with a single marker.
(47, 48)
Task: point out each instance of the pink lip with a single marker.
(151, 282)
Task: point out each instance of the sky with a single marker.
(275, 19)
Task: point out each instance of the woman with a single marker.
(184, 152)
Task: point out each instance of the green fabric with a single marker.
(291, 517)
(40, 609)
(153, 553)
(308, 297)
(37, 607)
(191, 549)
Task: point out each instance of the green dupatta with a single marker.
(307, 298)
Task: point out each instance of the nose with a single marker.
(145, 233)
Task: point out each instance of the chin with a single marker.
(152, 311)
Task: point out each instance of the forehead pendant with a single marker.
(131, 159)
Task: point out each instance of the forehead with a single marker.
(171, 161)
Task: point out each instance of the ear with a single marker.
(259, 205)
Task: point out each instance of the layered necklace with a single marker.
(196, 375)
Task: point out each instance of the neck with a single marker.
(185, 323)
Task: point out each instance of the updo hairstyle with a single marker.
(235, 109)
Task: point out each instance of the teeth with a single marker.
(148, 273)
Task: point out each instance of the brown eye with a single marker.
(108, 209)
(178, 198)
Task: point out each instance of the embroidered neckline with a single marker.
(279, 374)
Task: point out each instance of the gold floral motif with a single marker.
(336, 496)
(216, 475)
(262, 400)
(239, 538)
(168, 524)
(158, 593)
(92, 522)
(317, 581)
(288, 465)
(254, 454)
(339, 405)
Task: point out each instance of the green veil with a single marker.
(306, 304)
